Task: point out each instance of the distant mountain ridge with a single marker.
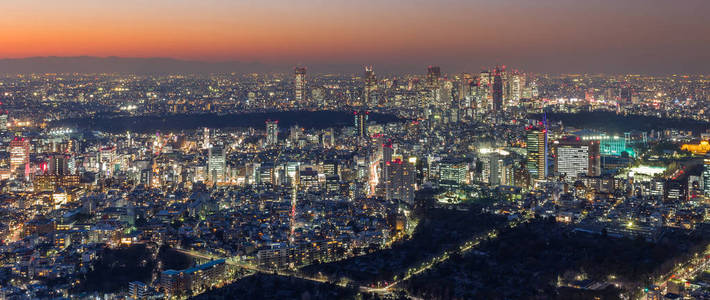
(134, 65)
(164, 65)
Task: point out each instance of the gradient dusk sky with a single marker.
(644, 36)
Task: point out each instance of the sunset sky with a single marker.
(658, 36)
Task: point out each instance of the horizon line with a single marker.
(291, 65)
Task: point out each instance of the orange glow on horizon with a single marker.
(512, 31)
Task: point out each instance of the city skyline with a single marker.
(370, 150)
(657, 37)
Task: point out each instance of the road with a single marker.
(687, 270)
(463, 248)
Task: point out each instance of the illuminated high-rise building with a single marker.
(497, 90)
(299, 83)
(3, 120)
(574, 157)
(445, 93)
(595, 168)
(330, 168)
(292, 172)
(625, 94)
(516, 84)
(482, 93)
(361, 123)
(328, 138)
(400, 182)
(217, 164)
(59, 164)
(370, 87)
(536, 140)
(432, 77)
(484, 79)
(272, 132)
(19, 155)
(387, 153)
(706, 175)
(107, 160)
(464, 86)
(318, 96)
(453, 172)
(497, 169)
(206, 138)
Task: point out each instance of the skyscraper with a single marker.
(292, 172)
(706, 176)
(400, 180)
(217, 164)
(19, 155)
(574, 157)
(497, 90)
(464, 86)
(272, 132)
(328, 138)
(387, 152)
(300, 86)
(536, 140)
(370, 87)
(59, 164)
(516, 83)
(3, 119)
(432, 77)
(361, 123)
(453, 172)
(206, 138)
(625, 94)
(484, 79)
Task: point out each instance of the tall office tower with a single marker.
(497, 169)
(432, 77)
(272, 132)
(370, 87)
(3, 120)
(537, 153)
(484, 79)
(292, 219)
(453, 172)
(706, 176)
(267, 173)
(292, 172)
(59, 164)
(330, 168)
(483, 91)
(361, 123)
(595, 165)
(300, 86)
(575, 157)
(464, 86)
(445, 93)
(157, 143)
(295, 133)
(532, 86)
(20, 156)
(387, 152)
(505, 77)
(497, 90)
(206, 138)
(328, 138)
(400, 181)
(625, 94)
(217, 164)
(515, 82)
(107, 160)
(318, 96)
